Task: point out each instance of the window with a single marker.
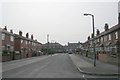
(11, 38)
(105, 38)
(25, 42)
(3, 36)
(101, 39)
(12, 48)
(109, 37)
(116, 35)
(21, 41)
(98, 40)
(3, 47)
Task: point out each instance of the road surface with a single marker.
(55, 66)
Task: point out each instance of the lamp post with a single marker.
(93, 36)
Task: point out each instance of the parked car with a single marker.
(70, 52)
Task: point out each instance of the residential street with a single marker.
(55, 66)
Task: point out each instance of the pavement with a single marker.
(85, 66)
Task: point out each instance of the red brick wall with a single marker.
(103, 57)
(17, 44)
(7, 40)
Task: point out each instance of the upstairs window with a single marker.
(25, 42)
(101, 39)
(116, 35)
(21, 41)
(98, 40)
(3, 36)
(11, 38)
(109, 37)
(105, 38)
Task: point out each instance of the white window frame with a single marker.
(3, 47)
(116, 35)
(106, 38)
(21, 40)
(98, 40)
(102, 39)
(3, 36)
(25, 41)
(11, 38)
(109, 36)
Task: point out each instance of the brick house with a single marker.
(0, 45)
(7, 45)
(36, 48)
(26, 47)
(107, 43)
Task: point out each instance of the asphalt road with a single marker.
(56, 66)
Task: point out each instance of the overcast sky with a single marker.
(62, 20)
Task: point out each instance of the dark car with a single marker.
(70, 52)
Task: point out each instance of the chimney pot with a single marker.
(92, 35)
(106, 27)
(20, 33)
(11, 31)
(98, 32)
(88, 37)
(32, 37)
(5, 28)
(27, 35)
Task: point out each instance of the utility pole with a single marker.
(47, 38)
(47, 43)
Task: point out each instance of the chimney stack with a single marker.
(119, 18)
(20, 33)
(98, 32)
(27, 35)
(11, 31)
(106, 27)
(5, 28)
(88, 37)
(32, 37)
(92, 35)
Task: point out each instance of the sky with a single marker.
(63, 20)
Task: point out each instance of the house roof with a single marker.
(53, 44)
(22, 37)
(114, 28)
(7, 32)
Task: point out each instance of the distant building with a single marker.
(55, 47)
(74, 46)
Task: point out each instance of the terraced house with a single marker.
(26, 47)
(107, 43)
(7, 45)
(16, 46)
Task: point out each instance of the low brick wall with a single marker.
(6, 58)
(103, 57)
(109, 59)
(17, 56)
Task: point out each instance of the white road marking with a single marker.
(84, 77)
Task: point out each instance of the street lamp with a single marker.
(93, 36)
